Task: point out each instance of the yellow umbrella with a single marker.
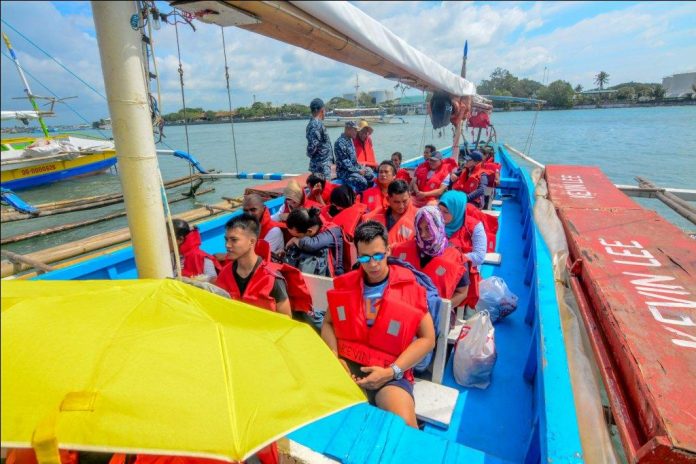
(157, 367)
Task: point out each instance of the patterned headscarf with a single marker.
(437, 242)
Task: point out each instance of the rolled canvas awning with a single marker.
(336, 30)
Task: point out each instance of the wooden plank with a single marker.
(493, 258)
(434, 403)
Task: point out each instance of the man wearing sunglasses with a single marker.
(378, 324)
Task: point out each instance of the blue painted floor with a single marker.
(488, 426)
(498, 420)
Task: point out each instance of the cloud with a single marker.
(574, 40)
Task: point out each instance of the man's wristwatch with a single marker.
(398, 373)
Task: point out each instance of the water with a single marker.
(656, 143)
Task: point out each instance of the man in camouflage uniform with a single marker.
(318, 142)
(354, 175)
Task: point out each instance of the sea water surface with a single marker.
(658, 143)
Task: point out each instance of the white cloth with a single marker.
(274, 237)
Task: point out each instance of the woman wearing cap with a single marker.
(472, 179)
(465, 230)
(364, 150)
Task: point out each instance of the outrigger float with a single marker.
(632, 272)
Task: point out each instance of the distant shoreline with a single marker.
(602, 106)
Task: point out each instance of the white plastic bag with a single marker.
(475, 355)
(496, 298)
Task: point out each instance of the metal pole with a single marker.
(27, 89)
(122, 66)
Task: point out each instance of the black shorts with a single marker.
(372, 394)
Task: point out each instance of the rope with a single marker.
(425, 122)
(51, 57)
(183, 100)
(229, 99)
(170, 227)
(530, 135)
(84, 119)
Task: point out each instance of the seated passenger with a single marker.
(247, 277)
(294, 198)
(398, 217)
(364, 150)
(465, 231)
(351, 173)
(194, 261)
(344, 211)
(270, 230)
(378, 324)
(376, 197)
(401, 173)
(471, 179)
(430, 252)
(315, 248)
(491, 168)
(428, 185)
(318, 189)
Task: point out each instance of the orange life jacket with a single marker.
(267, 455)
(404, 229)
(373, 198)
(402, 308)
(258, 291)
(426, 185)
(468, 181)
(28, 456)
(267, 224)
(194, 257)
(462, 239)
(348, 218)
(259, 288)
(492, 169)
(364, 151)
(445, 270)
(403, 175)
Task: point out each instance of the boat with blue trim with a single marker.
(536, 409)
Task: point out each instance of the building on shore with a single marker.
(680, 85)
(411, 104)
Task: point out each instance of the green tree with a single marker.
(210, 115)
(659, 91)
(626, 93)
(601, 79)
(340, 102)
(578, 88)
(365, 99)
(558, 94)
(525, 88)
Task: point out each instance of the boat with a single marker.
(533, 412)
(339, 117)
(27, 162)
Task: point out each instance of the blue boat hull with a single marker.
(528, 412)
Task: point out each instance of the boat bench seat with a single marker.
(491, 212)
(434, 402)
(493, 258)
(497, 203)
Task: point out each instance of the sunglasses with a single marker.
(364, 259)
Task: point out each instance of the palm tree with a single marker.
(601, 79)
(578, 88)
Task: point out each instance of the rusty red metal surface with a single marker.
(584, 187)
(636, 289)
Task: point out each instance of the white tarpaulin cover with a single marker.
(19, 115)
(372, 35)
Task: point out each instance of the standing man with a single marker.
(318, 142)
(364, 151)
(351, 173)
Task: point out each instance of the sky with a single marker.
(631, 41)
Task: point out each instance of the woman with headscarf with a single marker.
(465, 230)
(294, 198)
(430, 252)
